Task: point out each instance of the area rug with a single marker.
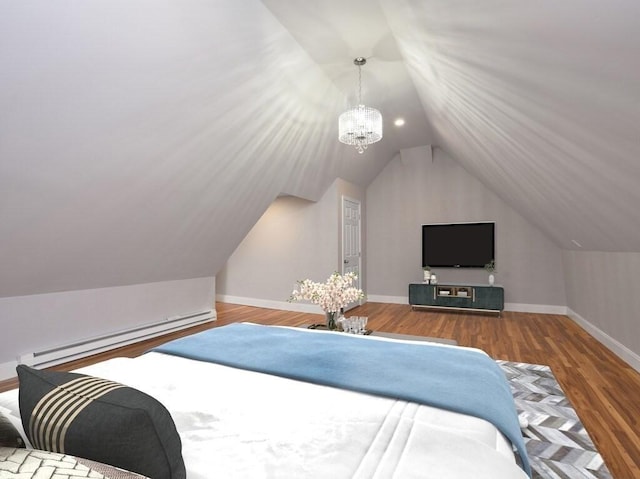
(558, 445)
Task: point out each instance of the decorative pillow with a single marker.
(99, 420)
(34, 464)
(9, 435)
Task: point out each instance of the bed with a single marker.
(252, 421)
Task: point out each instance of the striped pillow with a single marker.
(99, 420)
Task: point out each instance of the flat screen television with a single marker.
(458, 245)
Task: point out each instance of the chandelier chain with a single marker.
(359, 85)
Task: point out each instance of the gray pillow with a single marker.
(9, 435)
(99, 420)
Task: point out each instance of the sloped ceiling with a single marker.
(539, 100)
(140, 141)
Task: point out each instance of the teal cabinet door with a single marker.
(489, 297)
(422, 294)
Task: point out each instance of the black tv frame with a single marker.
(465, 237)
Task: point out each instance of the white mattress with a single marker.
(240, 424)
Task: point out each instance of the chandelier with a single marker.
(360, 126)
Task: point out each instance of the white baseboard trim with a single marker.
(84, 348)
(88, 347)
(535, 308)
(612, 344)
(270, 304)
(376, 298)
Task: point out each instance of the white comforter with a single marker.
(240, 424)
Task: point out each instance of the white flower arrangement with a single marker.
(332, 295)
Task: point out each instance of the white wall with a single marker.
(602, 296)
(44, 321)
(417, 188)
(295, 239)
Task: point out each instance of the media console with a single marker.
(474, 297)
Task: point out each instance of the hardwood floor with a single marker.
(604, 390)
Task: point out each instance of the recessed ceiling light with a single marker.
(399, 122)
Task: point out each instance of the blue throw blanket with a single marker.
(459, 380)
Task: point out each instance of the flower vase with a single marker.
(331, 317)
(491, 279)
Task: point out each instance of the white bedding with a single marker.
(241, 424)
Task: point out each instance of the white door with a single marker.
(351, 257)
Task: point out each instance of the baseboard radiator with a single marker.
(88, 347)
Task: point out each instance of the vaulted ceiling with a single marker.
(140, 141)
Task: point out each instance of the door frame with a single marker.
(345, 198)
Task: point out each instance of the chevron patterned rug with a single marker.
(559, 446)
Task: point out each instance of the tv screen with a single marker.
(458, 245)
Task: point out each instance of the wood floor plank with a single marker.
(604, 390)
